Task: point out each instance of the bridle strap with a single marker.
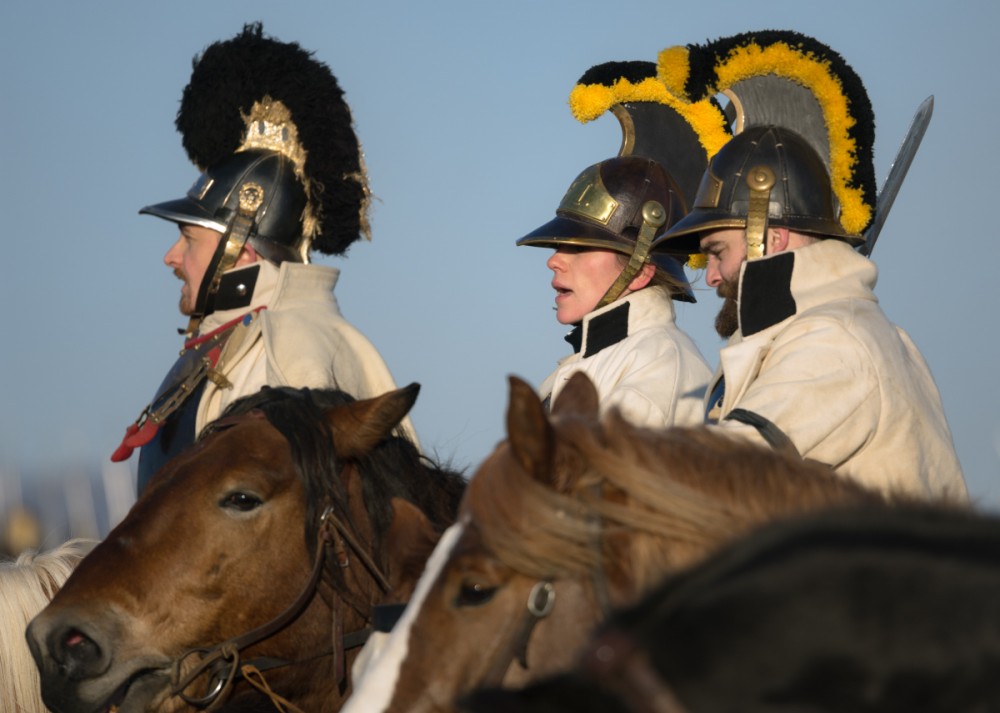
(229, 650)
(598, 578)
(540, 602)
(224, 659)
(366, 559)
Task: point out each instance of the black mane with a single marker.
(395, 468)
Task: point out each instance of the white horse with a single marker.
(27, 584)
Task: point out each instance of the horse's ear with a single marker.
(411, 538)
(529, 431)
(578, 397)
(360, 426)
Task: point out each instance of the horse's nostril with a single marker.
(81, 656)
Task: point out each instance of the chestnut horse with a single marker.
(861, 609)
(570, 517)
(245, 576)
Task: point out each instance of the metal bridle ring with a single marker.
(541, 600)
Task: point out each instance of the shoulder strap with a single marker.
(777, 438)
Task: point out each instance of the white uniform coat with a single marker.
(816, 356)
(640, 362)
(299, 340)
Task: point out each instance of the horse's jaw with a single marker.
(134, 690)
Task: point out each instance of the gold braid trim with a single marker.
(589, 101)
(812, 72)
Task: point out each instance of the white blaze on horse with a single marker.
(571, 517)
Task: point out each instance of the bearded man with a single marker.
(812, 362)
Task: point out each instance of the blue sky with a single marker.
(461, 108)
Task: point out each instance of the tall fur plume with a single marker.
(792, 80)
(242, 80)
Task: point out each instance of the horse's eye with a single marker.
(473, 594)
(243, 502)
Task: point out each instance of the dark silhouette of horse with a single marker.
(571, 517)
(247, 572)
(853, 611)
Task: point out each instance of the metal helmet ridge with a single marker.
(213, 202)
(766, 176)
(802, 154)
(621, 204)
(281, 165)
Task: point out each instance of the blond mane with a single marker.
(671, 496)
(27, 584)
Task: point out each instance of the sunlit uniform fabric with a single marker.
(639, 360)
(299, 339)
(816, 356)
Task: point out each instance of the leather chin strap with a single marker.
(653, 217)
(251, 196)
(760, 179)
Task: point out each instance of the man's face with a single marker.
(189, 258)
(726, 251)
(580, 278)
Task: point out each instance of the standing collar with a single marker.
(602, 330)
(777, 287)
(612, 323)
(240, 291)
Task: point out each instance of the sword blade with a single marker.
(897, 172)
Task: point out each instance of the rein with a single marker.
(222, 662)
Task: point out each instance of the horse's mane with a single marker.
(27, 584)
(679, 491)
(395, 468)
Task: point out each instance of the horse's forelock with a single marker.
(528, 526)
(394, 469)
(681, 491)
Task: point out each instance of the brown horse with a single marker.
(247, 572)
(859, 609)
(570, 517)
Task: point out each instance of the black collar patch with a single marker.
(602, 331)
(766, 293)
(236, 289)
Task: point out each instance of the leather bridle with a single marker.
(222, 662)
(541, 601)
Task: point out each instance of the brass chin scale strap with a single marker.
(653, 217)
(760, 180)
(250, 199)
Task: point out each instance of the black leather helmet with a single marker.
(802, 154)
(281, 167)
(621, 204)
(213, 201)
(765, 176)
